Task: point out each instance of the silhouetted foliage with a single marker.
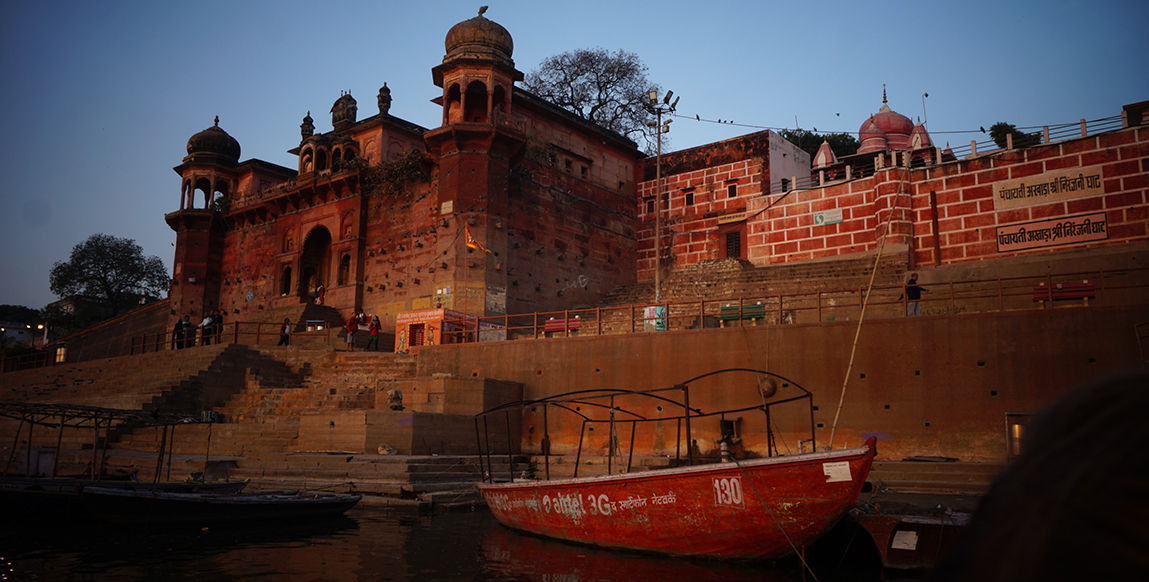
(609, 89)
(110, 270)
(1001, 129)
(843, 144)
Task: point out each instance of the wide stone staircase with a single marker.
(257, 396)
(257, 436)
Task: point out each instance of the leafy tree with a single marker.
(609, 89)
(1001, 129)
(18, 313)
(110, 270)
(843, 144)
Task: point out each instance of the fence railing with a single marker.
(1037, 292)
(1112, 288)
(237, 332)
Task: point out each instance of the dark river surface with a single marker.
(365, 544)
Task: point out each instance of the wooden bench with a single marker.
(1083, 291)
(733, 313)
(569, 326)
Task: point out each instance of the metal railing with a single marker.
(1036, 292)
(1113, 288)
(238, 332)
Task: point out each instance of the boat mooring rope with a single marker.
(862, 317)
(801, 558)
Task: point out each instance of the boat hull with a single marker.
(160, 507)
(752, 509)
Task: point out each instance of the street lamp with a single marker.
(660, 128)
(924, 114)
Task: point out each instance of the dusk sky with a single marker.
(100, 98)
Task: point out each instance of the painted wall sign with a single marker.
(1049, 187)
(732, 218)
(833, 216)
(447, 207)
(1053, 232)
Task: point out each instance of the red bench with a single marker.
(1083, 291)
(562, 325)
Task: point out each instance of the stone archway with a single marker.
(313, 261)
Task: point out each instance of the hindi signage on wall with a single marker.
(1049, 187)
(1053, 232)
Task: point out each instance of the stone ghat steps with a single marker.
(225, 438)
(935, 477)
(392, 475)
(101, 382)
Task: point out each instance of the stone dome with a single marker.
(214, 141)
(892, 127)
(479, 36)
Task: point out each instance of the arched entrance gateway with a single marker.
(313, 261)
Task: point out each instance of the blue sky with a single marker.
(101, 97)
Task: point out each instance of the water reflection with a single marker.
(367, 544)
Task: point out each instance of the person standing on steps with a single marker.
(913, 295)
(352, 327)
(285, 333)
(373, 334)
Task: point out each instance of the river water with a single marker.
(364, 545)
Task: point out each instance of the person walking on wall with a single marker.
(352, 327)
(217, 325)
(178, 335)
(913, 295)
(205, 328)
(285, 333)
(373, 333)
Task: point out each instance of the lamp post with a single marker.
(924, 114)
(660, 128)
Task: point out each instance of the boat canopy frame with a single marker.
(94, 418)
(567, 401)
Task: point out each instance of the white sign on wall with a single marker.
(833, 216)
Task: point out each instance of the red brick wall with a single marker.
(782, 228)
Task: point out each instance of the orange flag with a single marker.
(471, 242)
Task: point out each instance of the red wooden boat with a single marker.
(741, 509)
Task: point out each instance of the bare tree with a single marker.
(609, 89)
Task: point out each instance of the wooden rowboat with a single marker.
(165, 507)
(762, 508)
(759, 508)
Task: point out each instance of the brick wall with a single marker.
(974, 211)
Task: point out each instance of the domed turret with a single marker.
(384, 99)
(344, 112)
(213, 145)
(307, 128)
(479, 38)
(893, 127)
(871, 137)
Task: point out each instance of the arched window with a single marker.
(285, 281)
(499, 101)
(307, 165)
(321, 160)
(203, 185)
(454, 105)
(476, 103)
(344, 270)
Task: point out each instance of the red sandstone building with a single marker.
(378, 209)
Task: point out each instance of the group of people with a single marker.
(371, 322)
(185, 332)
